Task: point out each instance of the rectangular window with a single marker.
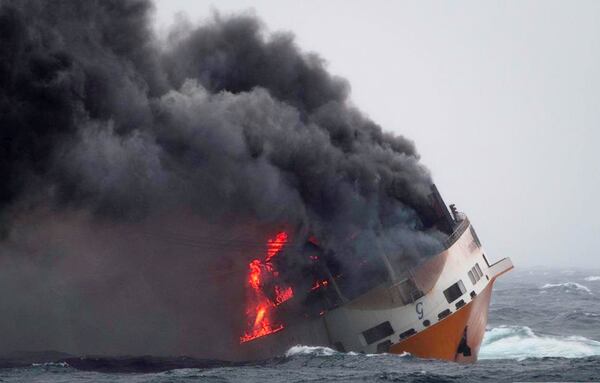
(444, 314)
(408, 333)
(384, 346)
(472, 277)
(478, 270)
(378, 332)
(455, 291)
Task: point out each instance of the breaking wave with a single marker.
(310, 350)
(520, 342)
(51, 364)
(299, 350)
(592, 278)
(568, 286)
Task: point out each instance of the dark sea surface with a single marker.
(544, 325)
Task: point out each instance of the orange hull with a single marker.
(456, 338)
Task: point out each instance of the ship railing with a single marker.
(462, 226)
(407, 286)
(458, 231)
(404, 284)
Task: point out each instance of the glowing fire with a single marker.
(275, 245)
(282, 295)
(319, 284)
(259, 306)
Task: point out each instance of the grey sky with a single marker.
(502, 99)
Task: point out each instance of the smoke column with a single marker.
(113, 141)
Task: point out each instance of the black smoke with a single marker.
(113, 140)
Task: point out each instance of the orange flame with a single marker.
(282, 295)
(260, 307)
(275, 245)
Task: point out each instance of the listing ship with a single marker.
(437, 309)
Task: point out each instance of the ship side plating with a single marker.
(447, 322)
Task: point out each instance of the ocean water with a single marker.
(544, 325)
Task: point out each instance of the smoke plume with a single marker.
(120, 151)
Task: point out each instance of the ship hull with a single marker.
(439, 310)
(457, 338)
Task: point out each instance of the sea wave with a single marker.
(592, 278)
(520, 342)
(310, 350)
(326, 351)
(51, 364)
(568, 286)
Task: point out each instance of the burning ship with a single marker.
(225, 129)
(436, 309)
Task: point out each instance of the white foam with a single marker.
(50, 364)
(592, 278)
(568, 286)
(310, 350)
(520, 342)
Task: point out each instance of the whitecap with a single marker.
(310, 350)
(403, 354)
(520, 342)
(592, 278)
(326, 351)
(51, 364)
(568, 286)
